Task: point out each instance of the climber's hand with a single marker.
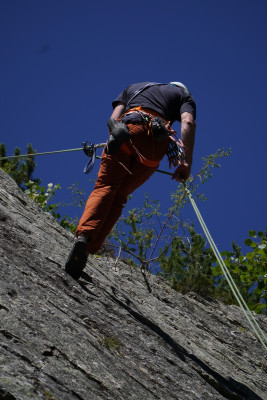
(182, 173)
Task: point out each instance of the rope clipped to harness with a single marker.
(90, 151)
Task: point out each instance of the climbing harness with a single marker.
(160, 129)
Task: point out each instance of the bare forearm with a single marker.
(188, 128)
(118, 111)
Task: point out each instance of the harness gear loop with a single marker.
(90, 151)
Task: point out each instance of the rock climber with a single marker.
(140, 135)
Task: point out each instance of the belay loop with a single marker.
(90, 151)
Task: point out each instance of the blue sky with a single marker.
(63, 62)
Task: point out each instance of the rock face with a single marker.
(113, 335)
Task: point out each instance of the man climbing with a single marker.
(140, 136)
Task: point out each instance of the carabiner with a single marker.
(90, 151)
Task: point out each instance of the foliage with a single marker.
(44, 196)
(78, 198)
(248, 271)
(210, 162)
(135, 232)
(48, 395)
(112, 343)
(189, 265)
(20, 169)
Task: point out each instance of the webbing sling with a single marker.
(138, 91)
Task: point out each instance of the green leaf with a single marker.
(250, 256)
(252, 233)
(243, 278)
(258, 291)
(227, 263)
(236, 270)
(260, 308)
(215, 271)
(248, 242)
(254, 245)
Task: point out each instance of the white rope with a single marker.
(49, 152)
(252, 321)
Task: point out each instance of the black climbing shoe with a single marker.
(77, 258)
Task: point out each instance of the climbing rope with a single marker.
(96, 146)
(252, 321)
(88, 148)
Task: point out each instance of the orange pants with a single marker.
(119, 175)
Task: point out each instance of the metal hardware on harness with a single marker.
(160, 128)
(175, 153)
(145, 117)
(90, 151)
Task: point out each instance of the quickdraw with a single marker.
(90, 151)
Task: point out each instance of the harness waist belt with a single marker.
(139, 115)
